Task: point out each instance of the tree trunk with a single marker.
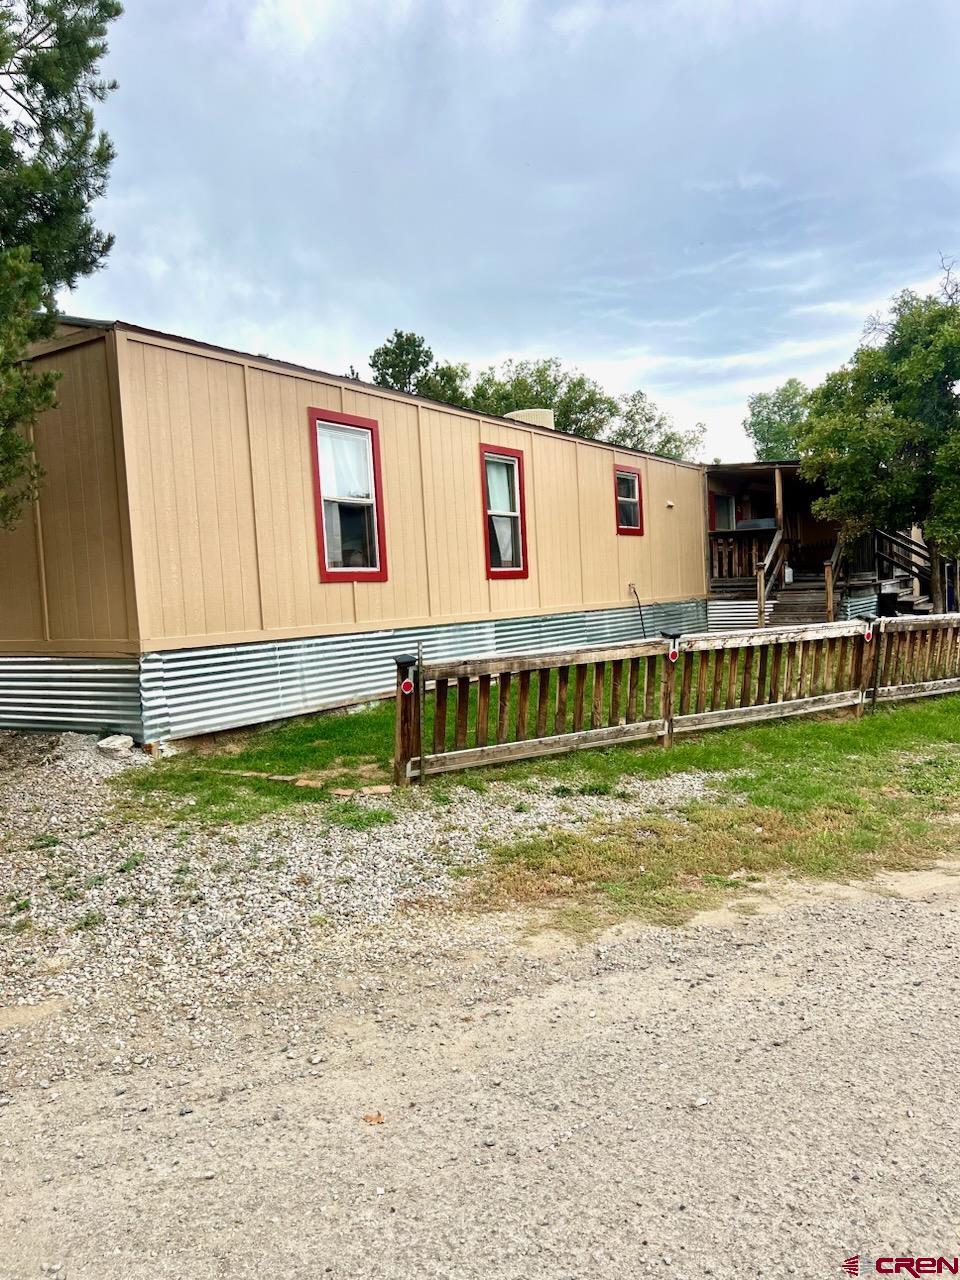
(936, 577)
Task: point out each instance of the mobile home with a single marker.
(222, 539)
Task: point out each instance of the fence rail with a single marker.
(460, 714)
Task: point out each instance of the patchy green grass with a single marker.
(837, 799)
(337, 750)
(831, 797)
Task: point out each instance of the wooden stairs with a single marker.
(803, 600)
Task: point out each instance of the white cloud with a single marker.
(640, 188)
(576, 20)
(299, 26)
(742, 180)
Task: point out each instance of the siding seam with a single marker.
(253, 494)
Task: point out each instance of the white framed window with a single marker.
(503, 499)
(629, 500)
(349, 499)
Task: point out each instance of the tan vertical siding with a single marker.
(63, 578)
(224, 523)
(451, 512)
(21, 595)
(283, 493)
(191, 493)
(557, 530)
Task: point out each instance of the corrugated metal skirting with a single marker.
(89, 695)
(735, 615)
(859, 606)
(191, 691)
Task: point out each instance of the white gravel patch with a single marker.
(92, 896)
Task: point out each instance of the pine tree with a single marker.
(54, 164)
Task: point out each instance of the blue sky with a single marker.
(697, 197)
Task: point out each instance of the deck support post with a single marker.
(828, 590)
(778, 496)
(761, 596)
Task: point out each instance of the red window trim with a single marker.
(501, 451)
(622, 529)
(366, 424)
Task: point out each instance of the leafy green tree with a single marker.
(54, 164)
(641, 425)
(448, 383)
(401, 361)
(883, 434)
(775, 421)
(580, 405)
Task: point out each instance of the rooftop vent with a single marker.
(536, 417)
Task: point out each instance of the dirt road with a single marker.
(753, 1097)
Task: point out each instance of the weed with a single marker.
(89, 920)
(349, 814)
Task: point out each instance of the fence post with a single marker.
(761, 596)
(668, 685)
(879, 646)
(407, 741)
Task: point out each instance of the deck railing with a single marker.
(460, 714)
(769, 572)
(736, 553)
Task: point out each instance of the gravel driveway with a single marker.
(761, 1099)
(193, 1085)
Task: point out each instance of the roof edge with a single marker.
(340, 379)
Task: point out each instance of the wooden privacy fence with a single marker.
(459, 714)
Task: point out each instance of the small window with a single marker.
(505, 535)
(346, 453)
(629, 501)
